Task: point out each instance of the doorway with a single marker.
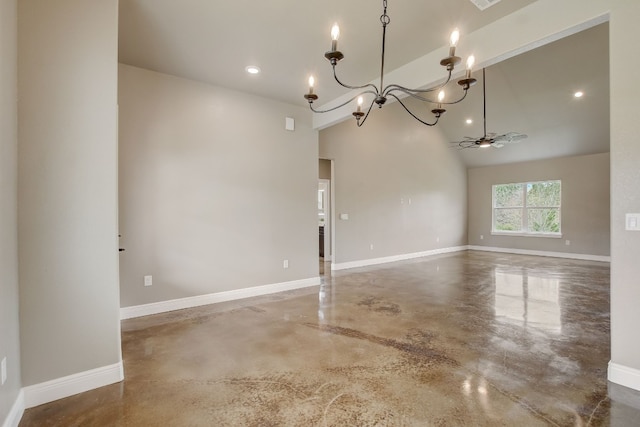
(325, 252)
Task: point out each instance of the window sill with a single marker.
(524, 234)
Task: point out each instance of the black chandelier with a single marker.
(382, 93)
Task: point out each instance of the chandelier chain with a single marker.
(384, 37)
(384, 18)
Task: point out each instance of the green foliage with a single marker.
(544, 220)
(543, 194)
(508, 219)
(508, 195)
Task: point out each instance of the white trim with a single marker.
(196, 301)
(624, 375)
(527, 234)
(16, 412)
(394, 258)
(59, 388)
(584, 257)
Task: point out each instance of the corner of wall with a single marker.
(16, 412)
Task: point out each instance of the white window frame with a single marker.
(525, 226)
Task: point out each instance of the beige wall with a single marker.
(67, 203)
(403, 188)
(324, 166)
(585, 203)
(214, 193)
(625, 177)
(9, 328)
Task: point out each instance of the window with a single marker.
(527, 208)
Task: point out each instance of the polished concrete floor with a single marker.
(466, 339)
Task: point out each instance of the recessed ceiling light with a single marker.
(468, 121)
(252, 69)
(578, 94)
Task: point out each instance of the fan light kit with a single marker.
(380, 94)
(488, 139)
(252, 69)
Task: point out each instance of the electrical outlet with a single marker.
(148, 280)
(285, 263)
(3, 368)
(567, 242)
(632, 222)
(371, 247)
(481, 237)
(437, 240)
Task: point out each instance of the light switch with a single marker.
(344, 216)
(632, 222)
(289, 123)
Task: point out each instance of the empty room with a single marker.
(327, 213)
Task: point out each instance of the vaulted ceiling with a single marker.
(213, 42)
(533, 93)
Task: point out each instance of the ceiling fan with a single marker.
(489, 139)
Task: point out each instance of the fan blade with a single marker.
(510, 137)
(497, 145)
(467, 143)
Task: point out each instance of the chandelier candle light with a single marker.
(381, 93)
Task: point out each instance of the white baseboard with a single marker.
(402, 257)
(394, 258)
(196, 301)
(59, 388)
(584, 257)
(15, 414)
(624, 375)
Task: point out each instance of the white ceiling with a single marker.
(213, 42)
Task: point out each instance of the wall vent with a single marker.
(483, 4)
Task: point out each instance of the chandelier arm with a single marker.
(459, 100)
(413, 95)
(421, 98)
(341, 105)
(392, 87)
(371, 85)
(360, 123)
(413, 115)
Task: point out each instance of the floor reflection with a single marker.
(325, 302)
(528, 300)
